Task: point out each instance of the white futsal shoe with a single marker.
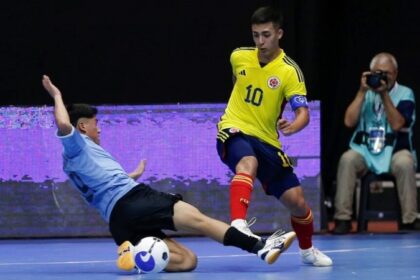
(315, 257)
(243, 226)
(276, 244)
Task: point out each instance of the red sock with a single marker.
(304, 228)
(240, 194)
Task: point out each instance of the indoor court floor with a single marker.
(355, 256)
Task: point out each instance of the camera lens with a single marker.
(374, 80)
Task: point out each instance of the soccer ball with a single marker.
(151, 255)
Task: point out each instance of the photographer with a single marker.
(383, 113)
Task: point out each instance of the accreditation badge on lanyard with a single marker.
(376, 130)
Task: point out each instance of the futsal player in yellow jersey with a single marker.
(260, 93)
(265, 79)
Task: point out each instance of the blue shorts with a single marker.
(275, 170)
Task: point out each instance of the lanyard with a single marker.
(378, 107)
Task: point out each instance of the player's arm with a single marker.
(139, 170)
(299, 105)
(61, 115)
(301, 120)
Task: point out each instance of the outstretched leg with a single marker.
(187, 217)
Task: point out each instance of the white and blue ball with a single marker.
(151, 255)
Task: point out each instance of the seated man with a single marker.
(135, 210)
(384, 113)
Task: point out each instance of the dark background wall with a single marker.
(148, 52)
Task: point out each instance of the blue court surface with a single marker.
(364, 256)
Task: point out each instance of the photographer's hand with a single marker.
(352, 114)
(363, 85)
(383, 89)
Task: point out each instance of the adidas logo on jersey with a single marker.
(242, 73)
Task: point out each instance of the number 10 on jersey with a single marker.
(254, 96)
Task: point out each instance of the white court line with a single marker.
(324, 251)
(54, 263)
(210, 257)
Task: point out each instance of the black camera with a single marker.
(374, 79)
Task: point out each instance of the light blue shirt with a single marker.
(94, 172)
(372, 112)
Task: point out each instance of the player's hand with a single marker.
(285, 127)
(139, 170)
(50, 87)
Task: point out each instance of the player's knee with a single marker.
(298, 206)
(189, 261)
(301, 204)
(248, 165)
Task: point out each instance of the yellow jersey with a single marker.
(260, 93)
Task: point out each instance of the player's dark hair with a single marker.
(267, 14)
(77, 111)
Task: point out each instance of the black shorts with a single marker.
(142, 212)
